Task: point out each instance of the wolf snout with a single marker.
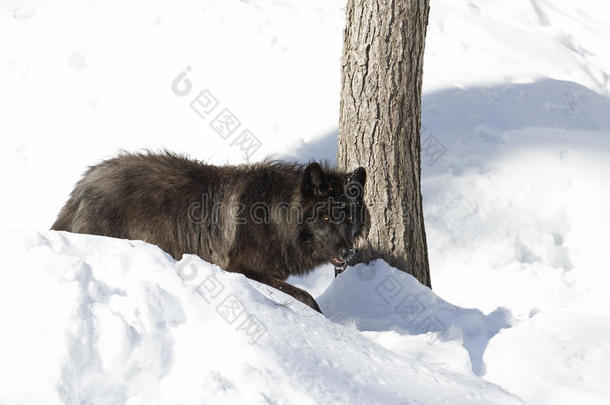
(347, 254)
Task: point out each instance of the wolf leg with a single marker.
(284, 287)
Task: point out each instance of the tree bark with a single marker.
(379, 126)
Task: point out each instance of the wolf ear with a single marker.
(354, 183)
(358, 175)
(313, 180)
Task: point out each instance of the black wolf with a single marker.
(266, 220)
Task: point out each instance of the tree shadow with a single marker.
(471, 121)
(546, 103)
(470, 128)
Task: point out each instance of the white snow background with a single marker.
(516, 186)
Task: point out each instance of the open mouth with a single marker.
(336, 261)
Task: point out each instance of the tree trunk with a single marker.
(379, 125)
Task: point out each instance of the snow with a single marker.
(122, 322)
(516, 148)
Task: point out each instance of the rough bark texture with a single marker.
(380, 125)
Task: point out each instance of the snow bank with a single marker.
(98, 320)
(377, 297)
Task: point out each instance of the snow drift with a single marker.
(106, 321)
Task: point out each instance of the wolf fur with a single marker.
(267, 220)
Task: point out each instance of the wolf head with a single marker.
(334, 212)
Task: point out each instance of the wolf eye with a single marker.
(349, 217)
(325, 218)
